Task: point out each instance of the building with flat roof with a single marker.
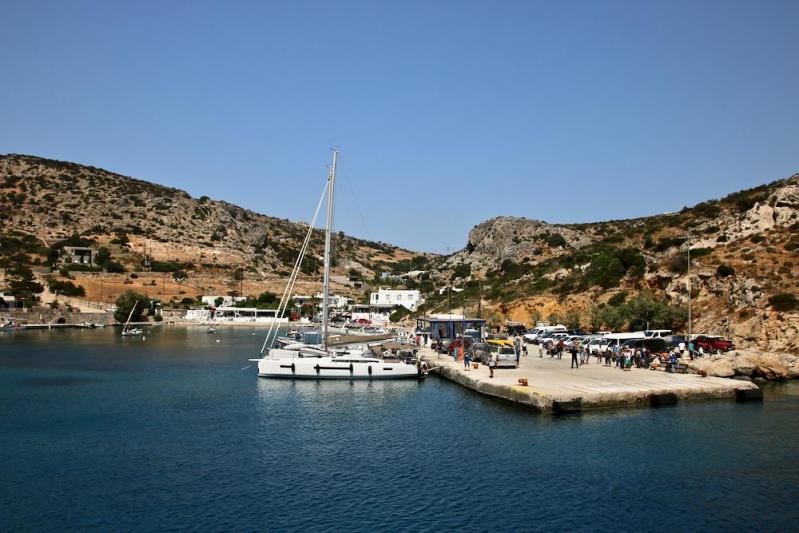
(375, 314)
(227, 301)
(409, 299)
(246, 314)
(81, 255)
(448, 327)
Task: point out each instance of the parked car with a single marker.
(535, 334)
(676, 340)
(655, 345)
(569, 341)
(713, 344)
(552, 338)
(597, 345)
(505, 355)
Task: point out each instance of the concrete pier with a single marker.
(554, 387)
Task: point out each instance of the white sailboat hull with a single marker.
(332, 368)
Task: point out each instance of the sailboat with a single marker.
(325, 360)
(131, 332)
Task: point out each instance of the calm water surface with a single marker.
(177, 432)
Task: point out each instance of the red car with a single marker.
(711, 344)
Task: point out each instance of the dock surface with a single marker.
(553, 384)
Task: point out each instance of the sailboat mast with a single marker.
(328, 234)
(130, 315)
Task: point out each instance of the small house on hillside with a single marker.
(7, 300)
(81, 255)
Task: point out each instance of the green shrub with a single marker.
(115, 267)
(678, 264)
(462, 271)
(696, 253)
(265, 300)
(724, 271)
(168, 266)
(67, 288)
(669, 242)
(605, 270)
(556, 240)
(707, 210)
(125, 303)
(399, 314)
(783, 302)
(618, 298)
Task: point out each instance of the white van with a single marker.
(532, 335)
(657, 333)
(617, 339)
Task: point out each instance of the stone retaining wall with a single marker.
(51, 316)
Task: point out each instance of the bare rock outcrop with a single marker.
(749, 363)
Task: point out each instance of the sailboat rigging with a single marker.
(324, 361)
(131, 332)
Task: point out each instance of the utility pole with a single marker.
(688, 241)
(480, 299)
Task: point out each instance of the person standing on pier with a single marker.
(575, 361)
(492, 362)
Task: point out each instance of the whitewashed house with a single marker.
(227, 301)
(335, 301)
(409, 299)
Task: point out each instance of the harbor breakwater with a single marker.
(548, 385)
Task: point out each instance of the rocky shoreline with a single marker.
(750, 365)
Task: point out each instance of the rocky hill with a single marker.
(43, 201)
(744, 273)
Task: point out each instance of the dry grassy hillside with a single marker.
(46, 203)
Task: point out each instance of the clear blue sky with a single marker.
(447, 113)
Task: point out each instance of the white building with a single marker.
(335, 301)
(247, 314)
(376, 315)
(227, 301)
(410, 299)
(198, 315)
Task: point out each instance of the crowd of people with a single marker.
(625, 359)
(610, 356)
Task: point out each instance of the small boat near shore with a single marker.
(126, 332)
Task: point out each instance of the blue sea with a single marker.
(176, 432)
